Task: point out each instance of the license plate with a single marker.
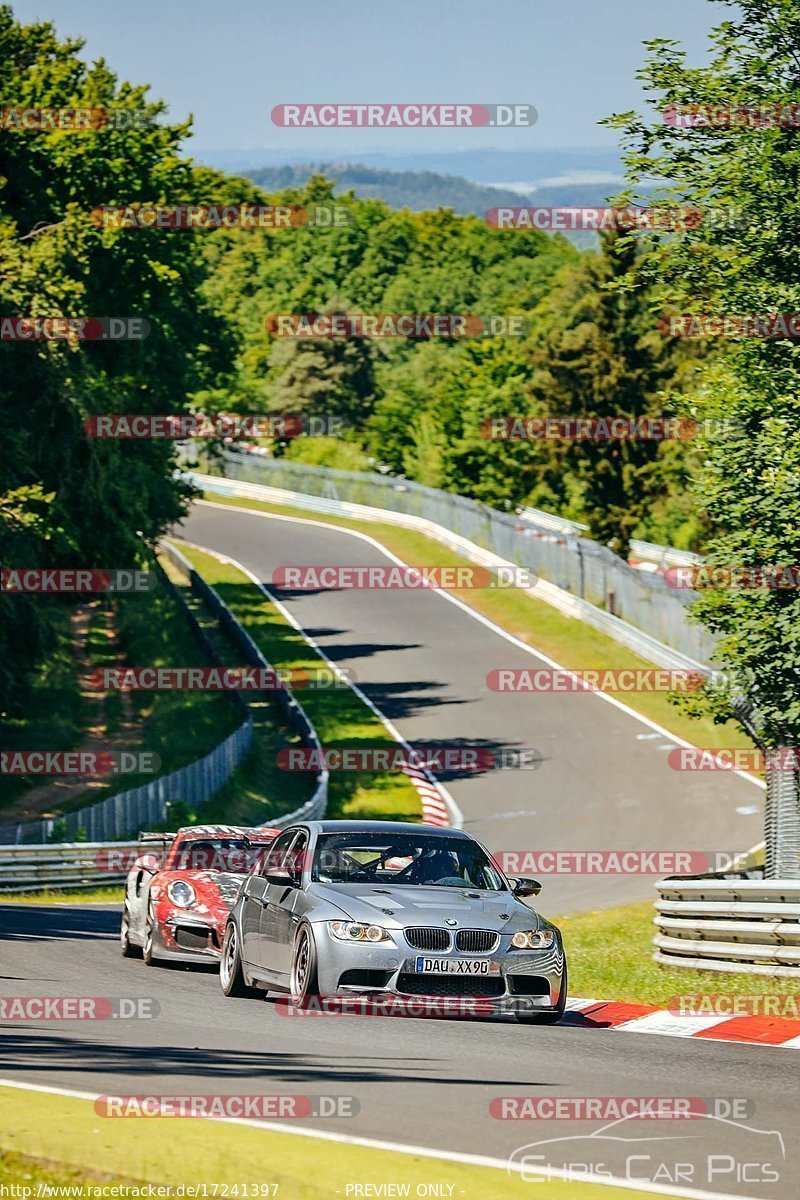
(455, 966)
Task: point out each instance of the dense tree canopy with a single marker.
(745, 161)
(69, 499)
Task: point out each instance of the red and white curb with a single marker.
(647, 1018)
(434, 809)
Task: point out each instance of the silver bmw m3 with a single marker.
(334, 908)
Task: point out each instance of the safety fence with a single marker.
(729, 923)
(149, 804)
(579, 567)
(62, 867)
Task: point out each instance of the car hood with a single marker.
(400, 907)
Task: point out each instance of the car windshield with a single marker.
(405, 859)
(216, 854)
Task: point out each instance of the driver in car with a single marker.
(433, 866)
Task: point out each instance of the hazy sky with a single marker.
(229, 63)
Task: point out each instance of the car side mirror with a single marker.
(283, 878)
(527, 887)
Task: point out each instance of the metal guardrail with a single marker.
(124, 812)
(578, 566)
(196, 783)
(571, 605)
(732, 924)
(61, 867)
(291, 709)
(148, 804)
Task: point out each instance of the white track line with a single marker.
(503, 633)
(474, 1160)
(456, 817)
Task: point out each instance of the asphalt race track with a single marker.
(420, 1081)
(604, 784)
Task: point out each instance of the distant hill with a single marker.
(536, 165)
(417, 190)
(427, 190)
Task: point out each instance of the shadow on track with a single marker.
(23, 1051)
(28, 923)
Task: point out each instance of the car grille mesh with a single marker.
(422, 938)
(477, 941)
(450, 985)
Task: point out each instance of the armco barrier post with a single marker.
(782, 822)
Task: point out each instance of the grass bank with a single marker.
(610, 958)
(45, 1138)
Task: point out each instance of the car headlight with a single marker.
(181, 893)
(357, 931)
(533, 939)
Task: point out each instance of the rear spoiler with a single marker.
(163, 838)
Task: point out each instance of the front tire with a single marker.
(555, 1014)
(304, 983)
(148, 953)
(126, 945)
(231, 975)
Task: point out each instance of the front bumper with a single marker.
(182, 937)
(527, 979)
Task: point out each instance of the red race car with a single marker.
(181, 888)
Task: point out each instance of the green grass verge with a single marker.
(39, 1175)
(258, 790)
(566, 640)
(178, 726)
(38, 1131)
(338, 715)
(108, 894)
(610, 958)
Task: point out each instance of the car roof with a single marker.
(385, 827)
(190, 832)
